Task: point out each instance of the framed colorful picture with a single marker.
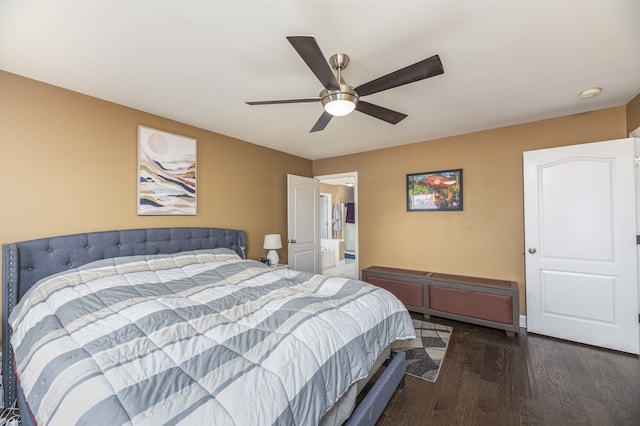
(434, 191)
(166, 173)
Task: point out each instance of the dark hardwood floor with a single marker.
(488, 378)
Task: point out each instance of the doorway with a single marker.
(339, 250)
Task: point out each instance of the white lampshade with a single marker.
(272, 242)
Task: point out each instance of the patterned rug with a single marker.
(426, 352)
(8, 416)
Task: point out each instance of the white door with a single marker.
(580, 237)
(303, 207)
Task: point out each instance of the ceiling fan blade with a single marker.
(322, 122)
(381, 113)
(419, 71)
(283, 101)
(307, 47)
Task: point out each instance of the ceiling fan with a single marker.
(338, 98)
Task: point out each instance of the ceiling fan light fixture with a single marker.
(590, 93)
(338, 98)
(339, 107)
(339, 102)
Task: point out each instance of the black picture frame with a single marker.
(434, 191)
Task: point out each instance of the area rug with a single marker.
(426, 352)
(9, 416)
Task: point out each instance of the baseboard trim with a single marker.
(523, 321)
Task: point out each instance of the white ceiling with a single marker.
(197, 61)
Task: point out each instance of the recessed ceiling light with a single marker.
(590, 93)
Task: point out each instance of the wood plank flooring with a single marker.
(490, 379)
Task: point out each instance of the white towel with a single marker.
(336, 219)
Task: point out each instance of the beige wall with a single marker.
(633, 114)
(69, 165)
(486, 239)
(339, 193)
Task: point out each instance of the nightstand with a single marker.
(278, 266)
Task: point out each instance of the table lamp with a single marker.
(272, 242)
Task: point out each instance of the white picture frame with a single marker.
(166, 173)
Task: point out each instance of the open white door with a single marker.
(303, 207)
(580, 236)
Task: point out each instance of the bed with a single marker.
(265, 339)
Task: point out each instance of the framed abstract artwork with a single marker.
(166, 173)
(434, 191)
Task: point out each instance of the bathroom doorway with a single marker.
(339, 241)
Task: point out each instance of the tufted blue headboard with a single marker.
(25, 263)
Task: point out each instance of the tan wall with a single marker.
(633, 114)
(486, 239)
(339, 193)
(69, 164)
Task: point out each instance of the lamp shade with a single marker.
(272, 241)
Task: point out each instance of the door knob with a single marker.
(532, 250)
(291, 241)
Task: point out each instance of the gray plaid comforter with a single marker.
(198, 338)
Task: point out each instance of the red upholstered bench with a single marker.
(406, 285)
(483, 301)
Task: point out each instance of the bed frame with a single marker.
(25, 263)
